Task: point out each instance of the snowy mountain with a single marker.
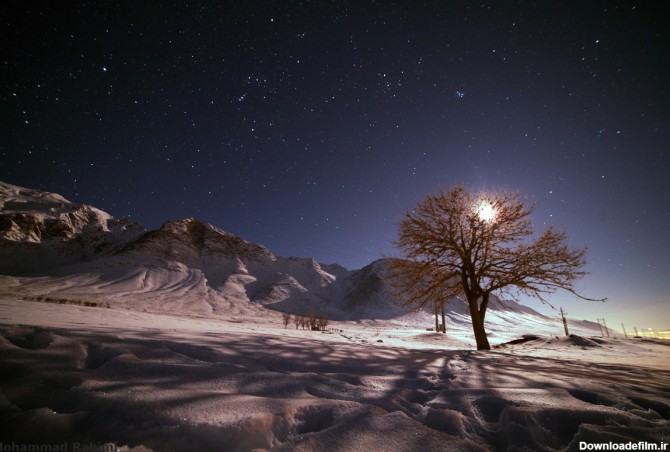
(41, 230)
(76, 252)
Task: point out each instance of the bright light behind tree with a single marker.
(486, 212)
(459, 244)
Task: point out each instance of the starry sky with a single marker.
(310, 127)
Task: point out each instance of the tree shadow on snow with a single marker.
(261, 391)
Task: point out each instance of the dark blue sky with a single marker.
(310, 127)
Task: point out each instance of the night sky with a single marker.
(310, 127)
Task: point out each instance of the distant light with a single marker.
(486, 212)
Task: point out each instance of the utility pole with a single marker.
(565, 322)
(636, 333)
(601, 328)
(624, 331)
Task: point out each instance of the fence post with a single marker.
(565, 322)
(607, 331)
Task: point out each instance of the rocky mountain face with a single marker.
(196, 243)
(79, 251)
(41, 230)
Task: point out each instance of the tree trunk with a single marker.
(482, 307)
(478, 327)
(444, 322)
(436, 324)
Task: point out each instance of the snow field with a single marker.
(165, 382)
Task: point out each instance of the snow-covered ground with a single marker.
(76, 374)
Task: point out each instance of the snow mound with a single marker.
(583, 342)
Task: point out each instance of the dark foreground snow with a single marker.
(145, 381)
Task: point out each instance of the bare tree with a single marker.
(298, 321)
(311, 320)
(461, 244)
(286, 318)
(322, 322)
